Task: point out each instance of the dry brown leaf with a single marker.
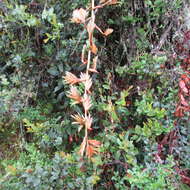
(108, 31)
(105, 2)
(99, 29)
(86, 102)
(82, 146)
(94, 143)
(79, 119)
(112, 2)
(75, 95)
(90, 27)
(93, 49)
(86, 80)
(88, 84)
(93, 69)
(79, 16)
(84, 77)
(90, 151)
(92, 147)
(88, 122)
(71, 78)
(109, 2)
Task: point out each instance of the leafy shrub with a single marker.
(138, 143)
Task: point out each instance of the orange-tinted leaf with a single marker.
(75, 95)
(112, 2)
(93, 49)
(94, 143)
(108, 31)
(82, 147)
(71, 78)
(93, 69)
(90, 29)
(80, 120)
(92, 147)
(90, 151)
(109, 2)
(79, 15)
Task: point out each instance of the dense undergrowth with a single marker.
(140, 96)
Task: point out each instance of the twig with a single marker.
(82, 33)
(162, 39)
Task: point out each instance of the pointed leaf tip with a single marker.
(108, 31)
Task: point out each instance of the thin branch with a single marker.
(162, 39)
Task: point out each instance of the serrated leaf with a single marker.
(86, 102)
(71, 78)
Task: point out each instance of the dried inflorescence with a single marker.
(80, 16)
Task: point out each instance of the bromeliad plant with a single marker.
(89, 58)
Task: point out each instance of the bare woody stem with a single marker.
(87, 69)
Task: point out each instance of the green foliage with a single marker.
(64, 171)
(134, 97)
(153, 178)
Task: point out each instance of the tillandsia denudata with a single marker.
(89, 57)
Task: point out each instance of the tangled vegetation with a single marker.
(94, 95)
